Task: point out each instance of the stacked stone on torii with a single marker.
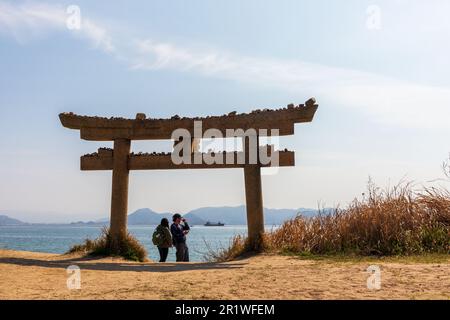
(122, 131)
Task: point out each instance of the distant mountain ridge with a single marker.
(228, 215)
(148, 216)
(7, 221)
(238, 215)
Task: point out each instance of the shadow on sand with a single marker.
(88, 263)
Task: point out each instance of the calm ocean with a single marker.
(59, 238)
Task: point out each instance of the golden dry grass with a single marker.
(396, 221)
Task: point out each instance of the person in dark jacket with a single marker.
(166, 242)
(179, 231)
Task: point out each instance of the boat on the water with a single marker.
(212, 224)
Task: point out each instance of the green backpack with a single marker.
(158, 237)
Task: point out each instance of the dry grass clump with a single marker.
(128, 247)
(238, 246)
(396, 221)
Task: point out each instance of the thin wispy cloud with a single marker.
(27, 21)
(385, 99)
(381, 98)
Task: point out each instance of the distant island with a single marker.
(227, 215)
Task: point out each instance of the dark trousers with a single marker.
(163, 252)
(182, 252)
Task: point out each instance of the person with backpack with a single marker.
(162, 238)
(179, 232)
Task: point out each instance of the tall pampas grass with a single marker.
(394, 221)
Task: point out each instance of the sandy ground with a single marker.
(30, 275)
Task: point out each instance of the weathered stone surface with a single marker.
(141, 116)
(119, 194)
(254, 204)
(163, 161)
(107, 129)
(310, 102)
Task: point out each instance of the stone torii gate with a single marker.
(122, 131)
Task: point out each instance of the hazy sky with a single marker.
(378, 69)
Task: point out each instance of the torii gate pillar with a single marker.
(119, 195)
(254, 203)
(253, 194)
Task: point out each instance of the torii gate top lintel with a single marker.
(141, 128)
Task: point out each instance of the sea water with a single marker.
(59, 238)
